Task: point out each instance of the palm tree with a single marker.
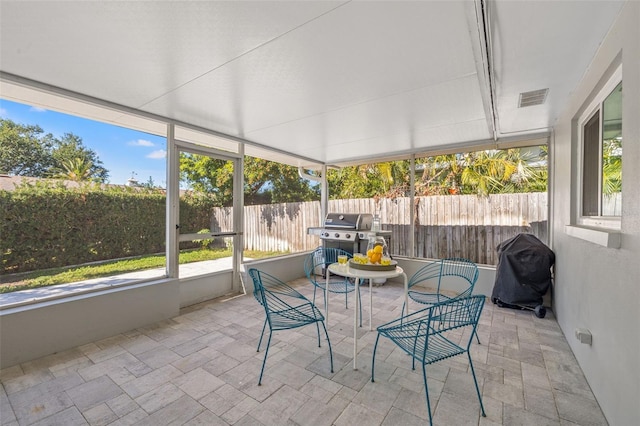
(504, 171)
(75, 169)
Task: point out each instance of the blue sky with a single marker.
(123, 152)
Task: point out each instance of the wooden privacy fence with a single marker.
(445, 225)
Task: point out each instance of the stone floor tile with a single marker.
(317, 413)
(452, 409)
(356, 414)
(148, 382)
(12, 372)
(220, 364)
(519, 416)
(139, 344)
(159, 397)
(346, 393)
(132, 418)
(176, 413)
(100, 415)
(206, 418)
(158, 357)
(533, 375)
(505, 393)
(288, 373)
(411, 402)
(247, 420)
(575, 408)
(493, 410)
(24, 381)
(239, 410)
(65, 360)
(219, 405)
(540, 401)
(122, 405)
(120, 368)
(101, 355)
(191, 362)
(316, 392)
(68, 417)
(376, 397)
(198, 383)
(32, 410)
(280, 405)
(94, 392)
(6, 412)
(354, 379)
(399, 417)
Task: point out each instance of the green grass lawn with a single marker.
(104, 269)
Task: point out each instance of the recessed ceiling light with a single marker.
(534, 97)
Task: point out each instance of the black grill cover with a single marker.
(523, 274)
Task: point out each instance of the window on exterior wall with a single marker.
(601, 143)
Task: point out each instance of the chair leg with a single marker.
(261, 335)
(264, 361)
(328, 341)
(426, 391)
(477, 338)
(373, 358)
(476, 383)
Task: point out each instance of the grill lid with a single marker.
(355, 221)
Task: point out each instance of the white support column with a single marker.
(172, 200)
(324, 195)
(238, 217)
(412, 201)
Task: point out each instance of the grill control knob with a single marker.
(347, 235)
(326, 234)
(337, 235)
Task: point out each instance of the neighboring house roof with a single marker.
(9, 183)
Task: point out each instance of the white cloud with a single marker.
(37, 109)
(141, 142)
(158, 154)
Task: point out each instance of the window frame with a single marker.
(595, 107)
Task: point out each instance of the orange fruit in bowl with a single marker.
(377, 249)
(375, 258)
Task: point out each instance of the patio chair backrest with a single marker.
(413, 332)
(321, 257)
(267, 289)
(448, 267)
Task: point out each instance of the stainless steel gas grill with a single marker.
(346, 231)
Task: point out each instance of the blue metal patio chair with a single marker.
(424, 335)
(285, 309)
(315, 265)
(458, 271)
(464, 271)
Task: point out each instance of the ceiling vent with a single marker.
(535, 97)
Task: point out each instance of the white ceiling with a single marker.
(328, 82)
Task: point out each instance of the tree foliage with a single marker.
(265, 182)
(25, 150)
(481, 172)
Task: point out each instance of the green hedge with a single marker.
(47, 225)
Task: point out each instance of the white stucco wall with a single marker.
(598, 288)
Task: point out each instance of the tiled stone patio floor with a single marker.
(201, 368)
